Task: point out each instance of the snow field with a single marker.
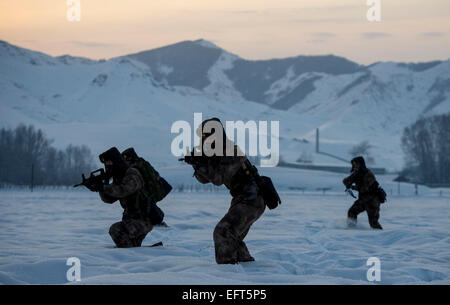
(304, 241)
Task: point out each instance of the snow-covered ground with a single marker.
(304, 241)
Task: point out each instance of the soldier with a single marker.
(233, 170)
(128, 188)
(365, 183)
(158, 189)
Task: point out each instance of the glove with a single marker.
(353, 187)
(92, 188)
(189, 159)
(99, 187)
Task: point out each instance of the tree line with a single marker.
(426, 144)
(27, 156)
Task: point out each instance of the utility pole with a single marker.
(317, 140)
(32, 177)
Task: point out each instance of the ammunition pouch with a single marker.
(248, 173)
(381, 195)
(377, 191)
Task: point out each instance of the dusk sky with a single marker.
(409, 30)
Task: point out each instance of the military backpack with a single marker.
(155, 189)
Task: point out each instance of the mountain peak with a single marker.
(206, 43)
(190, 60)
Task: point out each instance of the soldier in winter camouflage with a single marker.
(233, 171)
(128, 188)
(153, 183)
(365, 183)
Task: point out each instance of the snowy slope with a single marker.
(304, 241)
(133, 100)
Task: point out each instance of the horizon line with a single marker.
(218, 47)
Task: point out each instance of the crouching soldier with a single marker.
(221, 162)
(369, 199)
(158, 185)
(129, 188)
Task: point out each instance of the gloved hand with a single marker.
(100, 187)
(92, 188)
(96, 187)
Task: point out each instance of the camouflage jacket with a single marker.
(221, 170)
(364, 180)
(128, 192)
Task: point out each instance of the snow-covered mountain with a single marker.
(133, 100)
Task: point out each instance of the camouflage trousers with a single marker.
(231, 230)
(129, 232)
(371, 205)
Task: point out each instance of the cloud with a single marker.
(91, 44)
(245, 12)
(432, 34)
(374, 35)
(315, 41)
(326, 20)
(323, 35)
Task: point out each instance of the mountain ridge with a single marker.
(72, 96)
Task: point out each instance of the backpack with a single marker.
(155, 189)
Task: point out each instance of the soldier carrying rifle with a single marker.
(132, 186)
(222, 163)
(370, 194)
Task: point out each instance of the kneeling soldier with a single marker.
(129, 188)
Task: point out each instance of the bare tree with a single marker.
(362, 149)
(305, 157)
(427, 149)
(25, 147)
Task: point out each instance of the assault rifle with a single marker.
(192, 159)
(195, 161)
(96, 178)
